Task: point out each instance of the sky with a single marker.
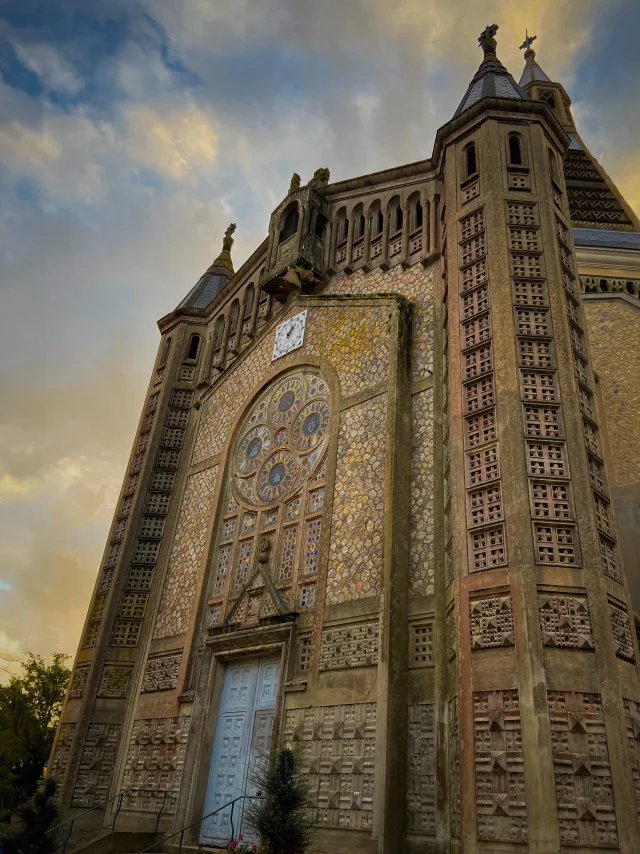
(131, 133)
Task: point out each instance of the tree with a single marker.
(30, 706)
(36, 816)
(280, 817)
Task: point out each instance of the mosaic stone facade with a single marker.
(96, 765)
(336, 745)
(182, 573)
(154, 763)
(352, 646)
(355, 553)
(421, 781)
(421, 521)
(414, 283)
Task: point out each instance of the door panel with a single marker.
(243, 734)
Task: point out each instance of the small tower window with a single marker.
(418, 214)
(194, 346)
(165, 353)
(233, 318)
(290, 225)
(249, 296)
(379, 222)
(548, 97)
(552, 166)
(471, 163)
(515, 150)
(399, 218)
(218, 333)
(361, 225)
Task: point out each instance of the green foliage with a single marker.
(280, 816)
(35, 817)
(30, 707)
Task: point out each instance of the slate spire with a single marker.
(216, 277)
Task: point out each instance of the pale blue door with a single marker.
(243, 734)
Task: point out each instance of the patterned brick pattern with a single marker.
(154, 763)
(115, 681)
(161, 673)
(491, 621)
(336, 745)
(61, 751)
(500, 797)
(421, 520)
(632, 722)
(96, 765)
(79, 681)
(487, 540)
(584, 793)
(593, 445)
(356, 549)
(554, 532)
(621, 629)
(421, 769)
(565, 621)
(352, 646)
(184, 563)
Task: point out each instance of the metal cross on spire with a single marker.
(487, 41)
(529, 40)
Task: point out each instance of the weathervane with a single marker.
(529, 40)
(487, 41)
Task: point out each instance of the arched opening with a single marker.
(361, 223)
(379, 222)
(290, 225)
(249, 296)
(471, 160)
(218, 333)
(548, 97)
(233, 318)
(553, 169)
(194, 346)
(320, 226)
(515, 150)
(418, 214)
(399, 218)
(164, 354)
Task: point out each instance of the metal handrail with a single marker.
(119, 797)
(198, 821)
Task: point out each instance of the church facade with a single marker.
(382, 507)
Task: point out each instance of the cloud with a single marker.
(55, 72)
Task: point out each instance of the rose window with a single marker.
(275, 497)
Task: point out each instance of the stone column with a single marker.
(384, 264)
(367, 243)
(405, 235)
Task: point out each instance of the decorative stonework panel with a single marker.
(182, 573)
(500, 796)
(491, 620)
(115, 681)
(79, 681)
(61, 752)
(565, 620)
(336, 745)
(96, 765)
(421, 769)
(421, 643)
(421, 520)
(356, 550)
(352, 646)
(453, 766)
(161, 672)
(632, 721)
(416, 284)
(154, 763)
(621, 630)
(586, 809)
(354, 338)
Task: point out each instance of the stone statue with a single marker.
(264, 547)
(320, 177)
(227, 241)
(295, 183)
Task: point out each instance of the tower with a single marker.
(370, 513)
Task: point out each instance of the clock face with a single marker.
(289, 335)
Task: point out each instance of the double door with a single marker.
(241, 743)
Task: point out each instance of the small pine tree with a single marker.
(280, 816)
(36, 817)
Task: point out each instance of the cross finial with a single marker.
(227, 241)
(487, 41)
(529, 40)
